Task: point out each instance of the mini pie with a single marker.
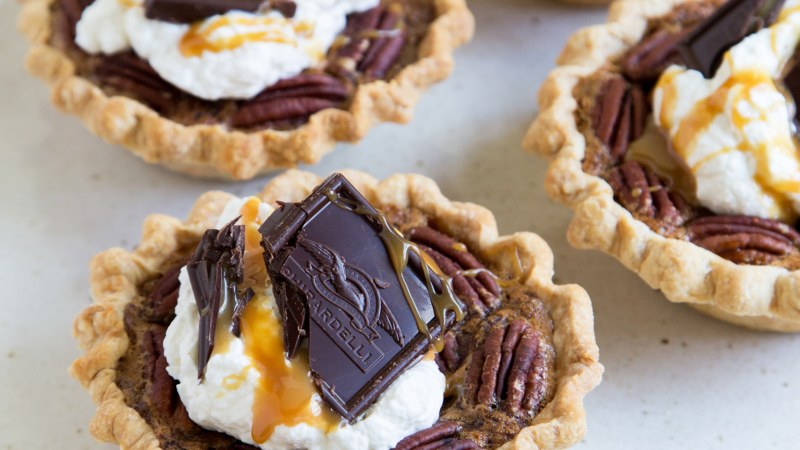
(375, 71)
(527, 321)
(624, 169)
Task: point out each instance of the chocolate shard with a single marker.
(792, 83)
(287, 7)
(703, 47)
(214, 271)
(324, 256)
(188, 11)
(241, 301)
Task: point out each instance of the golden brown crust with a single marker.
(115, 275)
(759, 297)
(213, 151)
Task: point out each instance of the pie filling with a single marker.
(320, 325)
(694, 128)
(269, 67)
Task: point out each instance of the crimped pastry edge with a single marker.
(757, 297)
(213, 151)
(115, 275)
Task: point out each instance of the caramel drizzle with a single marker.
(399, 249)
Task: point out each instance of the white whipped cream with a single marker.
(734, 130)
(232, 69)
(410, 404)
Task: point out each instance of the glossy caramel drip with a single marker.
(198, 39)
(286, 395)
(400, 249)
(653, 150)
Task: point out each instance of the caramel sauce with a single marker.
(508, 246)
(129, 3)
(653, 150)
(736, 89)
(198, 39)
(460, 246)
(399, 249)
(286, 395)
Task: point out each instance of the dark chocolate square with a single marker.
(361, 330)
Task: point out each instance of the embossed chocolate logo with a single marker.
(344, 302)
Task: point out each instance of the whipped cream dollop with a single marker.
(234, 55)
(224, 401)
(734, 131)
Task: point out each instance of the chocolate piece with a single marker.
(287, 7)
(188, 11)
(238, 310)
(792, 83)
(330, 260)
(703, 47)
(214, 271)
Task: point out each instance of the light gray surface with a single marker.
(674, 379)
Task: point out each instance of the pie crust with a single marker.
(212, 150)
(115, 275)
(758, 297)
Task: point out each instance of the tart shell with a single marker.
(758, 297)
(115, 275)
(213, 150)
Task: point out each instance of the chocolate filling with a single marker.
(506, 339)
(613, 113)
(375, 45)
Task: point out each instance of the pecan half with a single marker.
(442, 436)
(620, 115)
(374, 40)
(640, 190)
(453, 258)
(744, 239)
(357, 41)
(507, 370)
(645, 62)
(161, 303)
(135, 76)
(293, 100)
(384, 50)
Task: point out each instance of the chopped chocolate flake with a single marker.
(792, 83)
(287, 7)
(238, 310)
(703, 47)
(188, 11)
(215, 269)
(323, 256)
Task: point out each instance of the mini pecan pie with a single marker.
(235, 89)
(672, 136)
(312, 294)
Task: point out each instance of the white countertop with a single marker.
(675, 379)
